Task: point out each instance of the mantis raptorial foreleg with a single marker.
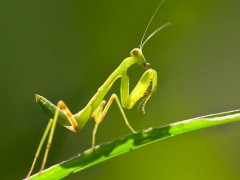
(97, 108)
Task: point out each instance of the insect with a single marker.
(97, 108)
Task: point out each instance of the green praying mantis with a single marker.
(97, 107)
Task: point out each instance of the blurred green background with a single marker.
(66, 49)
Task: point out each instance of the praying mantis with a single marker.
(97, 107)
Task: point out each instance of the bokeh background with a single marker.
(66, 49)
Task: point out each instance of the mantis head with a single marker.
(137, 55)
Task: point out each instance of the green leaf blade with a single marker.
(133, 141)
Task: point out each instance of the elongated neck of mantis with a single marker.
(136, 57)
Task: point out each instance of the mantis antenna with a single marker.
(143, 42)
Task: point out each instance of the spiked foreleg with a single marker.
(144, 89)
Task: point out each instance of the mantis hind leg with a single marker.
(48, 131)
(40, 147)
(101, 112)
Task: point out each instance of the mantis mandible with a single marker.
(97, 108)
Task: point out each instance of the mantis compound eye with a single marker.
(136, 53)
